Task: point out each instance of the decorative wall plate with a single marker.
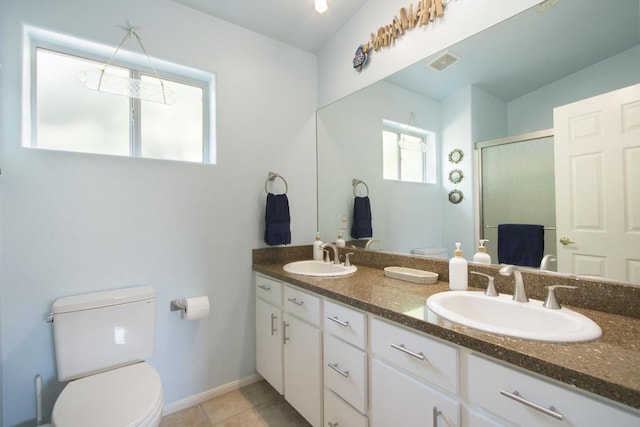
(455, 156)
(455, 196)
(455, 176)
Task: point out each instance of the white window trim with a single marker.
(429, 138)
(34, 38)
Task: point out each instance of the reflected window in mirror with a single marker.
(408, 153)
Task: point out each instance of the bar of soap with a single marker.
(411, 275)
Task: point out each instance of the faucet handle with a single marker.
(491, 287)
(347, 261)
(327, 258)
(551, 301)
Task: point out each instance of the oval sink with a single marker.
(503, 316)
(318, 268)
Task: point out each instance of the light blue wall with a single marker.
(404, 215)
(534, 111)
(75, 223)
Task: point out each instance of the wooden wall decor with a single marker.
(424, 12)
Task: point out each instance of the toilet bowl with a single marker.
(123, 397)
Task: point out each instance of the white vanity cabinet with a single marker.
(269, 361)
(408, 373)
(289, 345)
(526, 400)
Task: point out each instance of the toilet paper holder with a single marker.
(177, 305)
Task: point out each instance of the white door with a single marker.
(597, 169)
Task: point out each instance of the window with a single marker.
(66, 115)
(408, 153)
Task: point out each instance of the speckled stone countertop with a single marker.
(609, 366)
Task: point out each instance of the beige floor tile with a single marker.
(275, 413)
(191, 417)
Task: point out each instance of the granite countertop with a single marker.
(609, 366)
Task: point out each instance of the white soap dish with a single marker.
(412, 275)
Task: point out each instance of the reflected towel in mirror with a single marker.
(520, 244)
(361, 226)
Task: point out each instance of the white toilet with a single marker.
(101, 342)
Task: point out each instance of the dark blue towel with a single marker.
(520, 244)
(361, 226)
(277, 220)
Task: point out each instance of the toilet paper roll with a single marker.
(195, 308)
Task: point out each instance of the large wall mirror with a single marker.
(502, 82)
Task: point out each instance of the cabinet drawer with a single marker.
(338, 413)
(346, 323)
(345, 371)
(433, 361)
(269, 289)
(302, 305)
(489, 382)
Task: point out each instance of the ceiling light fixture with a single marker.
(321, 6)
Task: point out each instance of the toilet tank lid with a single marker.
(102, 299)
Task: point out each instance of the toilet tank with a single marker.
(100, 331)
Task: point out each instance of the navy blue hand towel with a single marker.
(361, 226)
(520, 244)
(277, 220)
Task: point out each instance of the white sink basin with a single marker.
(318, 268)
(503, 316)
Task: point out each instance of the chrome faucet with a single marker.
(336, 255)
(519, 294)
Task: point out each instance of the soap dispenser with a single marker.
(482, 256)
(317, 250)
(340, 241)
(458, 271)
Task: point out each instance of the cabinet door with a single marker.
(269, 343)
(399, 400)
(303, 368)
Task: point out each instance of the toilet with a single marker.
(102, 340)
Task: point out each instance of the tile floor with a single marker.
(256, 405)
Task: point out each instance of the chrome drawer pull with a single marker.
(334, 366)
(266, 288)
(273, 328)
(338, 321)
(332, 424)
(436, 414)
(516, 396)
(402, 348)
(295, 301)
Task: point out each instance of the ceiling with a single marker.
(294, 22)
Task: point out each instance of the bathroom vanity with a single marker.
(363, 350)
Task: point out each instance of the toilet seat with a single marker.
(123, 397)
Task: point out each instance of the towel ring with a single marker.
(355, 183)
(272, 176)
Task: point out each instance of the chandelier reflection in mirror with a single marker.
(101, 80)
(410, 142)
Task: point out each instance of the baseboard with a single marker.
(210, 394)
